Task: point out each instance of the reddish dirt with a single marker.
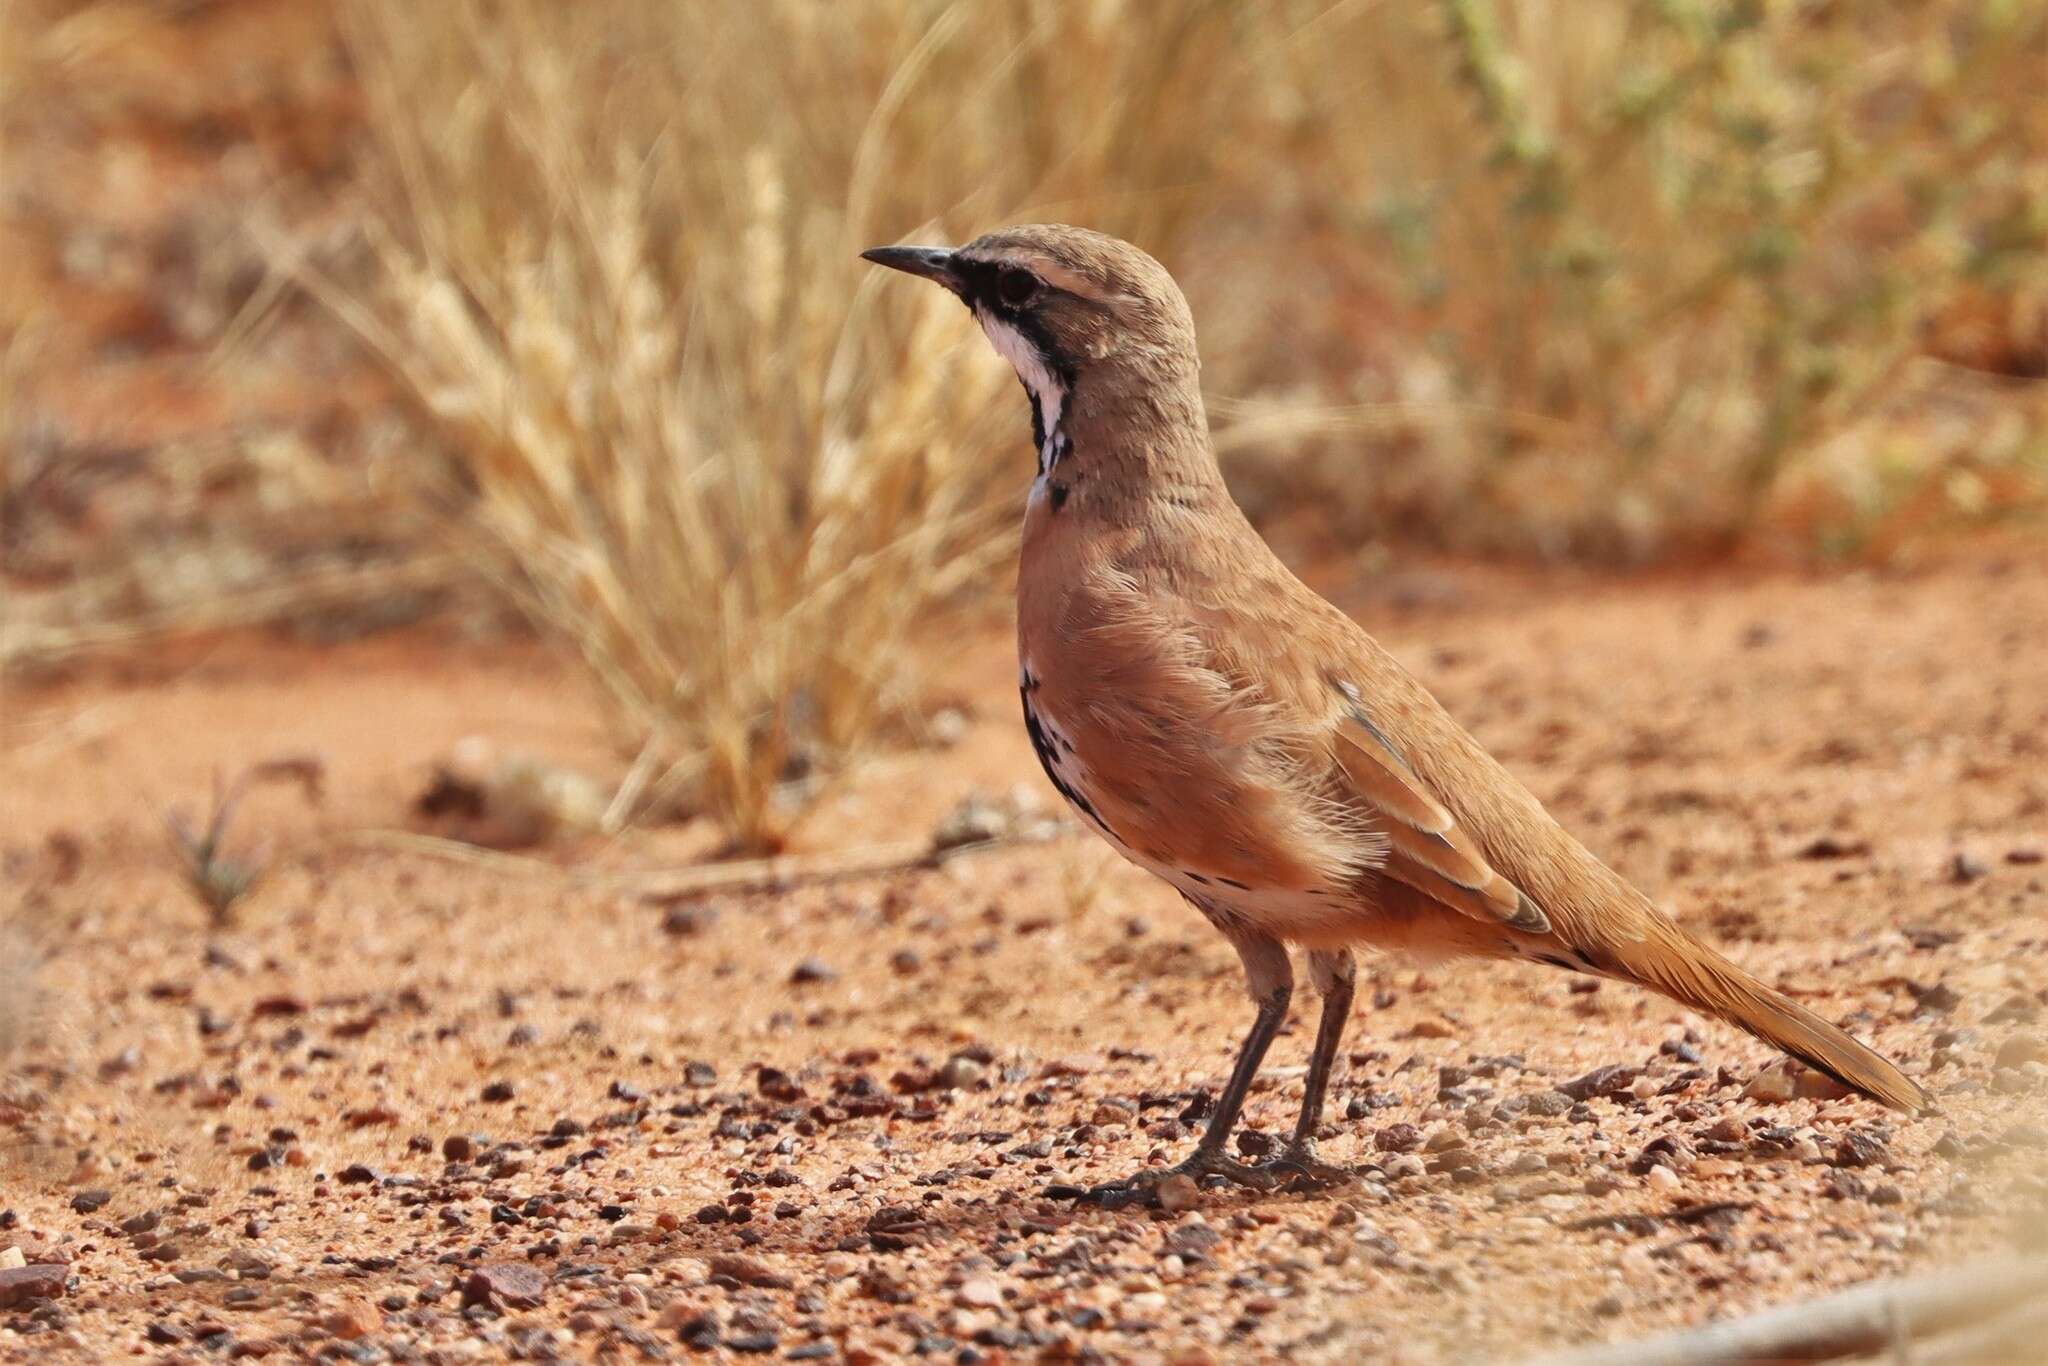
(1842, 781)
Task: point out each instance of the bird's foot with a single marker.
(1299, 1169)
(1199, 1167)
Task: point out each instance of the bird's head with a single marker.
(1067, 308)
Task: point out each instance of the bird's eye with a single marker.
(1016, 287)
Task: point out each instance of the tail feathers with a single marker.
(1674, 963)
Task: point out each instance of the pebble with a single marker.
(2022, 1048)
(1403, 1166)
(749, 1271)
(1112, 1112)
(1663, 1180)
(980, 1292)
(19, 1285)
(1177, 1193)
(1772, 1086)
(961, 1073)
(1398, 1138)
(509, 1285)
(1615, 1079)
(350, 1322)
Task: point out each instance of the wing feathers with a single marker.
(1428, 850)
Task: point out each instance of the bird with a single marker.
(1229, 730)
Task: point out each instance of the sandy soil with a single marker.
(823, 1122)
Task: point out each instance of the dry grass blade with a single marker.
(217, 879)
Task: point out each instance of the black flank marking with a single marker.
(1233, 882)
(1042, 747)
(1194, 877)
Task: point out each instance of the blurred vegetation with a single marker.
(1618, 281)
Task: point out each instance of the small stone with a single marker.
(1613, 1080)
(2022, 1048)
(458, 1148)
(90, 1202)
(356, 1174)
(1940, 998)
(508, 1285)
(1177, 1193)
(1967, 867)
(699, 1073)
(1663, 1180)
(350, 1322)
(749, 1271)
(1549, 1104)
(811, 970)
(1808, 1084)
(498, 1092)
(675, 1314)
(1398, 1138)
(961, 1073)
(1405, 1165)
(686, 922)
(12, 1257)
(1859, 1149)
(1772, 1086)
(980, 1292)
(164, 1333)
(1832, 847)
(1112, 1112)
(19, 1285)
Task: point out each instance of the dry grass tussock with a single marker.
(694, 436)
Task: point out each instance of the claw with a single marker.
(1142, 1188)
(1301, 1170)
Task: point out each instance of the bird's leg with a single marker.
(1335, 977)
(1271, 981)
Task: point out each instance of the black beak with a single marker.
(933, 263)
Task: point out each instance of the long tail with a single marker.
(1668, 960)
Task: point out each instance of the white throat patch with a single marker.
(1014, 347)
(1048, 395)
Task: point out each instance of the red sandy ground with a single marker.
(1793, 766)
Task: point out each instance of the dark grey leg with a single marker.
(1270, 979)
(1335, 977)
